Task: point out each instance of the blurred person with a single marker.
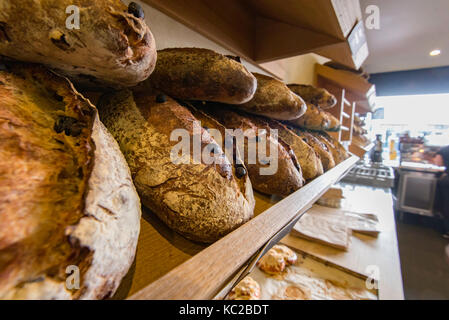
(442, 159)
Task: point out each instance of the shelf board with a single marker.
(262, 31)
(168, 266)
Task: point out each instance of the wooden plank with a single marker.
(365, 251)
(206, 273)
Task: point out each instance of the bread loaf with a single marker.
(337, 150)
(325, 155)
(313, 119)
(334, 123)
(307, 157)
(274, 99)
(287, 177)
(316, 96)
(201, 201)
(201, 74)
(112, 46)
(66, 195)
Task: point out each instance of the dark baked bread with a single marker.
(307, 157)
(111, 47)
(275, 100)
(339, 152)
(201, 74)
(201, 201)
(334, 123)
(313, 119)
(288, 177)
(323, 151)
(317, 96)
(66, 195)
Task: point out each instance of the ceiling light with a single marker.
(435, 53)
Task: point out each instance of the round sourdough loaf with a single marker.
(202, 74)
(67, 200)
(203, 202)
(275, 100)
(111, 47)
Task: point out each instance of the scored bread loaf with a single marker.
(337, 150)
(323, 151)
(288, 176)
(274, 99)
(201, 201)
(112, 46)
(201, 74)
(313, 119)
(307, 157)
(334, 123)
(66, 195)
(317, 96)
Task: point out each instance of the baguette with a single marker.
(288, 177)
(274, 99)
(112, 47)
(200, 201)
(316, 96)
(201, 74)
(66, 194)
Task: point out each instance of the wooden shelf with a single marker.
(359, 150)
(262, 31)
(358, 89)
(167, 266)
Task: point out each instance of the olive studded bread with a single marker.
(275, 100)
(95, 43)
(286, 177)
(201, 201)
(201, 74)
(67, 201)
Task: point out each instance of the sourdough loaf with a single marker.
(313, 119)
(288, 176)
(201, 74)
(201, 201)
(112, 47)
(66, 194)
(316, 96)
(337, 150)
(274, 99)
(307, 157)
(323, 151)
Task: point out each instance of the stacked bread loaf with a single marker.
(191, 134)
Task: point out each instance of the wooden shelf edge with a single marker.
(206, 273)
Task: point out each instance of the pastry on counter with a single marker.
(247, 289)
(277, 259)
(275, 100)
(110, 46)
(68, 205)
(317, 96)
(201, 201)
(201, 74)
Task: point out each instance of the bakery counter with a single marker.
(377, 258)
(167, 266)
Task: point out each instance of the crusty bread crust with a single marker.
(316, 96)
(111, 48)
(202, 202)
(201, 74)
(275, 100)
(307, 157)
(66, 197)
(313, 119)
(288, 177)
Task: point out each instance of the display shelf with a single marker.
(167, 266)
(358, 89)
(359, 150)
(262, 30)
